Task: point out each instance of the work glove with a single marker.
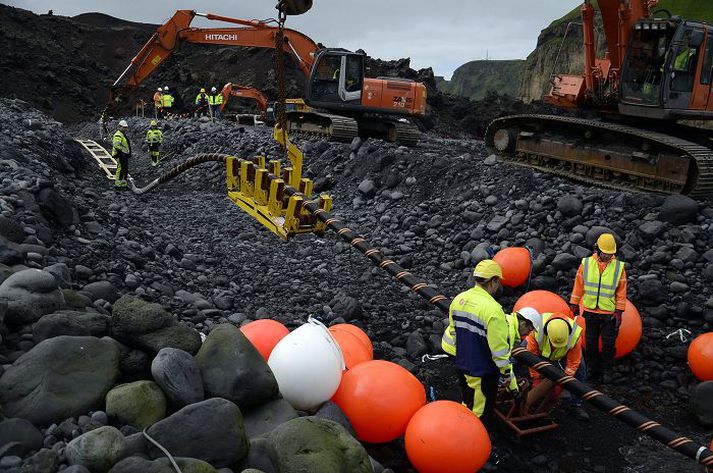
(617, 318)
(575, 309)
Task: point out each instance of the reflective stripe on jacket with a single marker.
(202, 99)
(119, 144)
(600, 288)
(481, 330)
(215, 99)
(154, 136)
(167, 100)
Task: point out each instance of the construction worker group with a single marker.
(481, 336)
(206, 104)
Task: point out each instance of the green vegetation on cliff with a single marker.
(475, 79)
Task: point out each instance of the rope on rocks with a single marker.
(671, 439)
(163, 449)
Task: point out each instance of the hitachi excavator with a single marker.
(657, 72)
(344, 103)
(244, 92)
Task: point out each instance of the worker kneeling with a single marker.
(154, 138)
(482, 339)
(558, 340)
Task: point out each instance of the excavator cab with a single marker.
(336, 80)
(667, 71)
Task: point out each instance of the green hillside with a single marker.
(475, 79)
(688, 9)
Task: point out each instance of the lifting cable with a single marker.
(671, 439)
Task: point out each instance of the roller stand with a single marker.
(512, 412)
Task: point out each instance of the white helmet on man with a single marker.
(123, 124)
(213, 89)
(160, 89)
(533, 315)
(165, 88)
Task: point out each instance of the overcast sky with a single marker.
(443, 34)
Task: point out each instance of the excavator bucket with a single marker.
(294, 7)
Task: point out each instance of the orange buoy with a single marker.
(359, 333)
(543, 301)
(379, 398)
(515, 263)
(354, 350)
(446, 436)
(629, 332)
(264, 334)
(700, 357)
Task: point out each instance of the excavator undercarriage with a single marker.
(607, 154)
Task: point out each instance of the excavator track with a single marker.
(606, 154)
(407, 134)
(324, 125)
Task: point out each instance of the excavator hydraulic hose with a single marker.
(681, 444)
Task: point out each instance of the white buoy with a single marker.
(308, 366)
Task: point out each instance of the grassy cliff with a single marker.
(476, 78)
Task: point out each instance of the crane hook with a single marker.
(294, 7)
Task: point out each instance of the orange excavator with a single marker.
(244, 92)
(344, 103)
(657, 72)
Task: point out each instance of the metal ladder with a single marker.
(105, 161)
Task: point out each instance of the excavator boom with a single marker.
(171, 35)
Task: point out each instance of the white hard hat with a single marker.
(160, 89)
(165, 87)
(123, 124)
(531, 314)
(213, 89)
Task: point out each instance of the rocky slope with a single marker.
(476, 78)
(153, 271)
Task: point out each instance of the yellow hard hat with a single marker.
(557, 330)
(153, 123)
(606, 243)
(487, 269)
(202, 90)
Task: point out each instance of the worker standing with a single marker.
(167, 101)
(154, 138)
(559, 340)
(481, 334)
(600, 286)
(121, 151)
(216, 101)
(157, 102)
(201, 103)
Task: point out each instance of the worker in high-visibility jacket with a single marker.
(559, 340)
(167, 101)
(520, 324)
(158, 102)
(600, 287)
(215, 99)
(481, 334)
(154, 138)
(121, 151)
(202, 103)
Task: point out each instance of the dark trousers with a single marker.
(604, 326)
(488, 389)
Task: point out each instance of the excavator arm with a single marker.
(171, 35)
(235, 90)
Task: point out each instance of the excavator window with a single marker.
(685, 61)
(643, 71)
(707, 71)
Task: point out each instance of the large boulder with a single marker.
(210, 430)
(162, 465)
(178, 375)
(21, 431)
(678, 209)
(97, 450)
(266, 418)
(61, 273)
(73, 323)
(59, 378)
(57, 207)
(701, 404)
(139, 404)
(318, 446)
(232, 368)
(30, 294)
(148, 326)
(11, 229)
(570, 205)
(102, 290)
(10, 252)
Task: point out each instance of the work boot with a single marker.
(579, 413)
